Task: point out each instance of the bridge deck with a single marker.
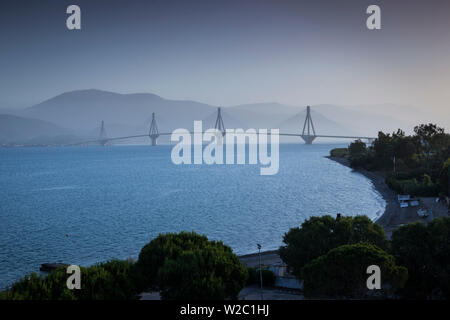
(191, 132)
(154, 132)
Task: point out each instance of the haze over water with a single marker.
(89, 204)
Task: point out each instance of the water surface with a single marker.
(82, 205)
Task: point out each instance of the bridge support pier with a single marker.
(308, 139)
(154, 139)
(308, 135)
(102, 137)
(153, 132)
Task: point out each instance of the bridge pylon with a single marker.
(103, 138)
(219, 122)
(153, 132)
(308, 133)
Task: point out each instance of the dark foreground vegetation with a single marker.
(417, 165)
(112, 280)
(186, 266)
(331, 256)
(183, 266)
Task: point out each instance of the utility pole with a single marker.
(260, 271)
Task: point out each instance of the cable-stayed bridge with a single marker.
(308, 133)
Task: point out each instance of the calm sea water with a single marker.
(89, 204)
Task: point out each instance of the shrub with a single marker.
(106, 281)
(412, 187)
(342, 272)
(318, 235)
(37, 287)
(410, 174)
(268, 277)
(188, 266)
(252, 276)
(111, 280)
(339, 152)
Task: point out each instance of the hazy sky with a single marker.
(229, 51)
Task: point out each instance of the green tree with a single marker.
(341, 273)
(111, 280)
(425, 151)
(430, 134)
(384, 151)
(357, 148)
(404, 149)
(318, 235)
(189, 266)
(425, 252)
(444, 177)
(167, 246)
(357, 153)
(432, 138)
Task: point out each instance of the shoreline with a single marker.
(392, 209)
(394, 216)
(386, 220)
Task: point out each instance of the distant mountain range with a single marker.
(78, 114)
(17, 130)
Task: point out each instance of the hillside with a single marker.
(82, 111)
(18, 130)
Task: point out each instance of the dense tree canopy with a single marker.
(425, 252)
(167, 246)
(181, 266)
(188, 266)
(414, 163)
(357, 148)
(357, 152)
(318, 235)
(341, 273)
